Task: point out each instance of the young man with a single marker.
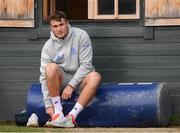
(66, 66)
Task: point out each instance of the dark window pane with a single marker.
(75, 9)
(105, 7)
(127, 6)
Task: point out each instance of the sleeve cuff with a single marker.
(73, 83)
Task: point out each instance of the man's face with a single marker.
(59, 28)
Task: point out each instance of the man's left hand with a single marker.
(67, 92)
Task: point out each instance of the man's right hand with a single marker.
(50, 111)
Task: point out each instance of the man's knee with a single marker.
(51, 69)
(94, 76)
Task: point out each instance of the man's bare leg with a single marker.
(54, 78)
(89, 87)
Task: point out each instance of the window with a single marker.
(113, 9)
(17, 13)
(93, 9)
(162, 12)
(75, 9)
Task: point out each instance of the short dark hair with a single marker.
(58, 15)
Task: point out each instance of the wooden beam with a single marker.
(162, 22)
(17, 23)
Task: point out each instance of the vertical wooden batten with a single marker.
(116, 9)
(17, 13)
(45, 9)
(90, 9)
(52, 5)
(49, 6)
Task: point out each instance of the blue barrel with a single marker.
(115, 105)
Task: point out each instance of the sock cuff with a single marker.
(79, 106)
(56, 98)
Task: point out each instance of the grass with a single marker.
(12, 127)
(175, 120)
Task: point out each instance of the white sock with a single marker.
(57, 105)
(76, 110)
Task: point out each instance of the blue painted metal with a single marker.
(115, 105)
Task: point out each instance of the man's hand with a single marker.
(50, 111)
(67, 92)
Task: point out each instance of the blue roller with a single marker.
(115, 105)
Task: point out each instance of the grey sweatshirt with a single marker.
(73, 54)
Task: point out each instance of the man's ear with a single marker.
(67, 22)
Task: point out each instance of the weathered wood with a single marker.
(151, 8)
(162, 8)
(17, 23)
(169, 8)
(30, 8)
(162, 12)
(17, 9)
(162, 22)
(45, 9)
(17, 13)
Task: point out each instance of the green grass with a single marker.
(174, 120)
(12, 127)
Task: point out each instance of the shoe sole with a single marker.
(53, 125)
(60, 126)
(33, 125)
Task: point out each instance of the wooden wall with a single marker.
(121, 54)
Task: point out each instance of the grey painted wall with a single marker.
(121, 54)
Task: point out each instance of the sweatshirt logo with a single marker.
(73, 51)
(59, 58)
(86, 45)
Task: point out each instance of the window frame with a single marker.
(93, 11)
(45, 8)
